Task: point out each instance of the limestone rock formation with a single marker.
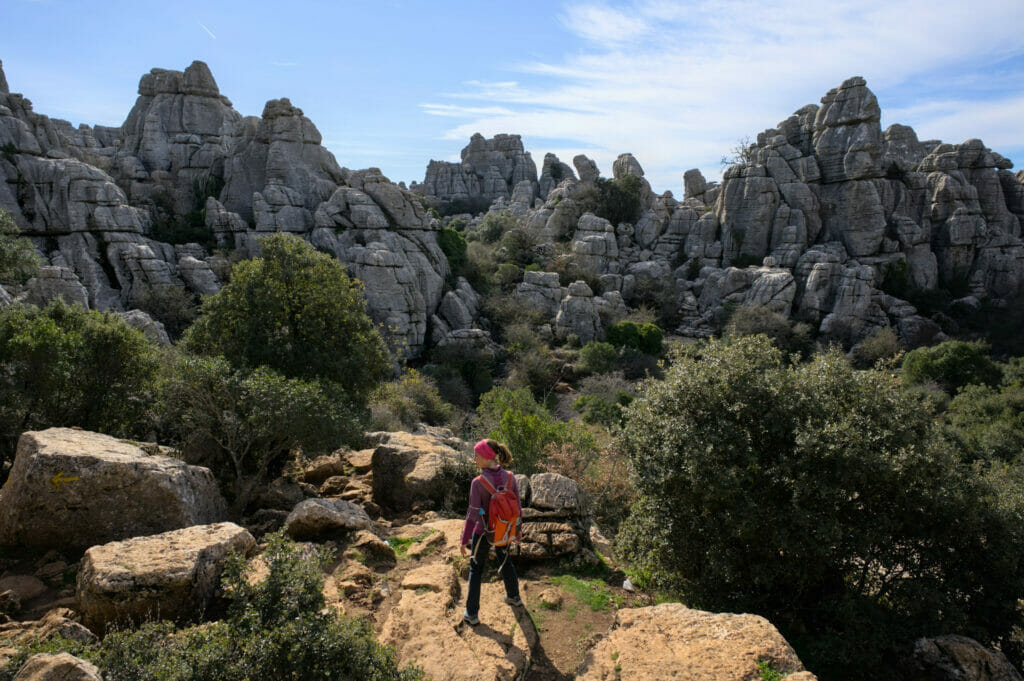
(555, 521)
(58, 667)
(421, 632)
(172, 575)
(314, 518)
(645, 644)
(490, 169)
(957, 658)
(408, 469)
(73, 488)
(577, 314)
(97, 201)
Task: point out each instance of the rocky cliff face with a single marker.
(810, 222)
(93, 199)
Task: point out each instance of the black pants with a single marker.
(477, 566)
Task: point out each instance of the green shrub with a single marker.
(952, 365)
(597, 358)
(507, 276)
(987, 424)
(65, 366)
(19, 260)
(296, 311)
(528, 428)
(277, 628)
(518, 246)
(818, 497)
(454, 246)
(408, 401)
(896, 279)
(458, 367)
(790, 337)
(170, 304)
(882, 344)
(494, 226)
(643, 337)
(619, 200)
(243, 424)
(603, 397)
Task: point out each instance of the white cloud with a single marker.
(676, 83)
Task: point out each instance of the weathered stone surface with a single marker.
(51, 283)
(314, 518)
(957, 658)
(73, 488)
(670, 641)
(586, 167)
(490, 169)
(172, 575)
(59, 667)
(422, 628)
(541, 289)
(577, 314)
(408, 468)
(57, 622)
(150, 328)
(555, 492)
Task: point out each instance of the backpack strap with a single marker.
(487, 485)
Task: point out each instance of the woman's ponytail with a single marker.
(502, 452)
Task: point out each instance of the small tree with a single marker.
(952, 365)
(19, 260)
(65, 366)
(243, 424)
(454, 246)
(817, 496)
(296, 311)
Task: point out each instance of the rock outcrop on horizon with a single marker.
(811, 221)
(97, 200)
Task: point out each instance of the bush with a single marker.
(19, 260)
(458, 368)
(952, 365)
(407, 402)
(170, 304)
(818, 497)
(296, 311)
(65, 366)
(518, 246)
(454, 246)
(277, 628)
(528, 428)
(604, 477)
(243, 424)
(790, 337)
(643, 337)
(597, 358)
(882, 344)
(507, 276)
(603, 397)
(494, 226)
(987, 424)
(619, 200)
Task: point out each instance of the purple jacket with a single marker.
(478, 497)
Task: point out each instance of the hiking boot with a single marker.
(516, 602)
(471, 620)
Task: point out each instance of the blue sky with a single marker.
(396, 83)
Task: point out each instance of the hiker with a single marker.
(491, 523)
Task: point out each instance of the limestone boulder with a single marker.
(555, 492)
(586, 167)
(150, 328)
(51, 283)
(541, 289)
(577, 314)
(424, 628)
(59, 667)
(73, 488)
(673, 641)
(409, 469)
(957, 658)
(315, 518)
(173, 575)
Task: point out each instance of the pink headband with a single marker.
(483, 450)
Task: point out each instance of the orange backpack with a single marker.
(502, 512)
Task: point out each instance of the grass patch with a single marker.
(593, 593)
(401, 544)
(767, 671)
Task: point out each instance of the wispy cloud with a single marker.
(203, 26)
(676, 83)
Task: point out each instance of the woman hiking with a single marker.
(493, 480)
